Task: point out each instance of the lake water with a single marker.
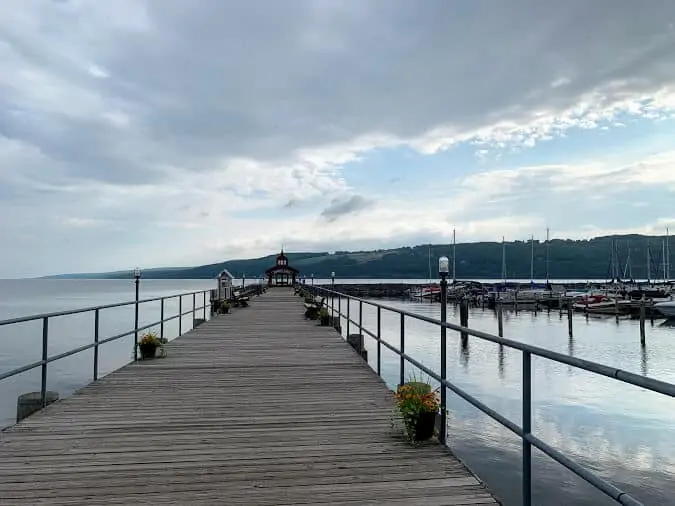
(625, 434)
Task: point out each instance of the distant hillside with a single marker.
(569, 259)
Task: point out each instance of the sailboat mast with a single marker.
(504, 259)
(667, 255)
(454, 255)
(429, 278)
(548, 254)
(532, 261)
(628, 269)
(663, 260)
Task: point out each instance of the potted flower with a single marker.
(324, 317)
(224, 307)
(417, 404)
(148, 345)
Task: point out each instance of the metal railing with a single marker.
(45, 317)
(525, 432)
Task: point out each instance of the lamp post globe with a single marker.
(443, 266)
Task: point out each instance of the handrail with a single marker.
(22, 319)
(45, 317)
(524, 432)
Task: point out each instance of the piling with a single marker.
(616, 310)
(29, 403)
(569, 320)
(464, 319)
(643, 317)
(500, 320)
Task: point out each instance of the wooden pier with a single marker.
(258, 407)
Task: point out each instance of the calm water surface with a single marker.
(622, 432)
(21, 344)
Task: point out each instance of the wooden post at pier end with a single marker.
(643, 317)
(500, 320)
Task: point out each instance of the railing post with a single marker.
(204, 308)
(96, 321)
(194, 307)
(444, 346)
(379, 343)
(360, 317)
(43, 384)
(402, 364)
(136, 323)
(161, 317)
(349, 303)
(180, 315)
(527, 428)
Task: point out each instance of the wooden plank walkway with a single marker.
(259, 407)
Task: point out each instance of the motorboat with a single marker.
(666, 308)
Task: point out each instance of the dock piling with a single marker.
(643, 316)
(500, 320)
(464, 319)
(569, 320)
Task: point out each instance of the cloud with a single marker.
(342, 206)
(151, 115)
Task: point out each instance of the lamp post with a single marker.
(443, 269)
(137, 281)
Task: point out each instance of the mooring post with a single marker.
(500, 320)
(643, 317)
(569, 320)
(616, 310)
(464, 320)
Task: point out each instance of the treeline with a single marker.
(569, 259)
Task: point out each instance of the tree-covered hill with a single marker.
(569, 259)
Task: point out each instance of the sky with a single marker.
(172, 132)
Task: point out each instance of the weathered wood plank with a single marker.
(258, 407)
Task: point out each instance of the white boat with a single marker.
(666, 308)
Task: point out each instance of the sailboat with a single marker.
(428, 291)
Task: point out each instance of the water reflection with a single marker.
(624, 433)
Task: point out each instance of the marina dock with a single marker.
(257, 407)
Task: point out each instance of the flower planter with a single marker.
(148, 351)
(325, 321)
(424, 426)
